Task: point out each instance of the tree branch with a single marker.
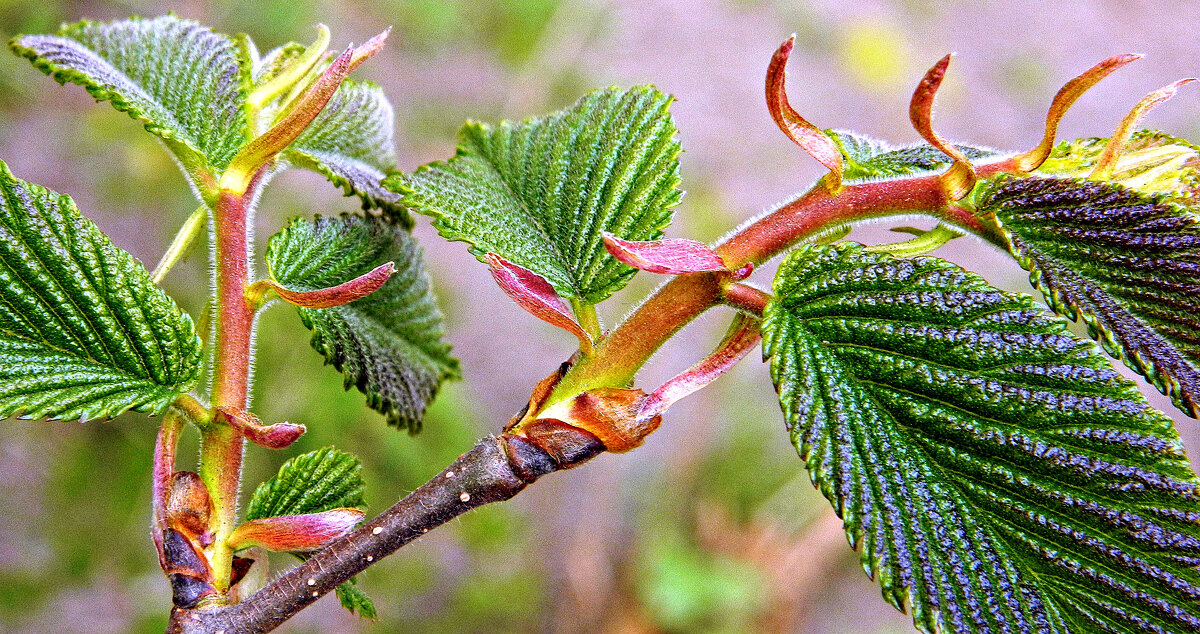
(496, 469)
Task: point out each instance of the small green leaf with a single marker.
(350, 143)
(355, 600)
(541, 193)
(185, 83)
(1125, 262)
(84, 332)
(314, 482)
(867, 159)
(388, 343)
(997, 473)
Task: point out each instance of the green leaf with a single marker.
(542, 192)
(1124, 262)
(868, 159)
(355, 600)
(314, 482)
(183, 82)
(997, 473)
(350, 143)
(388, 343)
(84, 332)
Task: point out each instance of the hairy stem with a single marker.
(221, 444)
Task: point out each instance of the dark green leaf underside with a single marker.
(184, 82)
(997, 473)
(389, 343)
(866, 158)
(350, 143)
(84, 332)
(314, 482)
(541, 193)
(1127, 264)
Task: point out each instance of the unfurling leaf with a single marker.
(1151, 162)
(389, 343)
(541, 193)
(317, 481)
(350, 143)
(84, 332)
(355, 600)
(996, 472)
(1126, 263)
(183, 82)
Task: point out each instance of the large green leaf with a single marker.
(314, 482)
(997, 473)
(541, 193)
(350, 143)
(1128, 264)
(388, 343)
(184, 82)
(84, 332)
(865, 158)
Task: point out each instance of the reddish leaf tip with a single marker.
(295, 533)
(960, 178)
(797, 128)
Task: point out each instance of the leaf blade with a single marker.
(314, 482)
(541, 193)
(183, 82)
(999, 475)
(389, 343)
(1123, 262)
(84, 331)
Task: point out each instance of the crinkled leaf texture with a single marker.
(84, 332)
(317, 481)
(865, 158)
(541, 193)
(388, 343)
(314, 482)
(1151, 162)
(350, 143)
(997, 473)
(1126, 263)
(184, 82)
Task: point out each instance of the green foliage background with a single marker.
(712, 525)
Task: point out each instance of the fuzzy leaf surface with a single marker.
(1124, 262)
(84, 332)
(996, 472)
(183, 82)
(389, 343)
(541, 193)
(355, 600)
(314, 482)
(351, 144)
(865, 158)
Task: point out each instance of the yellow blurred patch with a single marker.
(873, 52)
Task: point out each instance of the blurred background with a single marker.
(712, 525)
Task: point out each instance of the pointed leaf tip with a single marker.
(960, 178)
(797, 128)
(537, 296)
(672, 257)
(1112, 152)
(277, 436)
(1063, 100)
(368, 49)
